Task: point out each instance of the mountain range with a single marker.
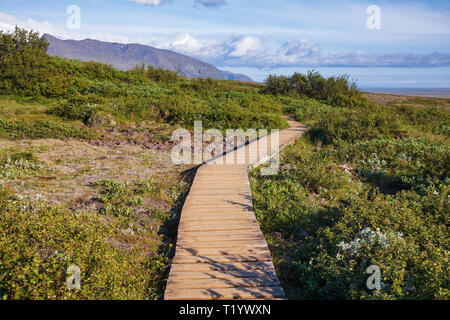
(127, 56)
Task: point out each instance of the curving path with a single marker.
(221, 252)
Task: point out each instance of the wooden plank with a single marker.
(220, 220)
(197, 228)
(211, 192)
(243, 218)
(220, 215)
(210, 217)
(225, 293)
(222, 258)
(220, 179)
(233, 174)
(218, 211)
(201, 252)
(250, 222)
(210, 221)
(237, 196)
(218, 233)
(218, 206)
(226, 183)
(218, 185)
(223, 212)
(242, 243)
(223, 283)
(229, 274)
(219, 200)
(211, 225)
(231, 239)
(200, 240)
(228, 266)
(222, 170)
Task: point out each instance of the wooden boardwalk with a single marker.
(221, 252)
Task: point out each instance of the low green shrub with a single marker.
(409, 160)
(433, 120)
(42, 129)
(120, 198)
(354, 126)
(116, 197)
(39, 242)
(308, 110)
(350, 101)
(72, 112)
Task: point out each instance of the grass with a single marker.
(29, 120)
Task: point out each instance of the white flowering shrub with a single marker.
(367, 238)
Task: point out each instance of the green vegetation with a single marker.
(40, 129)
(123, 247)
(39, 242)
(367, 185)
(337, 90)
(23, 62)
(18, 164)
(76, 90)
(120, 198)
(120, 251)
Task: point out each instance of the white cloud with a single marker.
(249, 51)
(245, 46)
(189, 45)
(9, 22)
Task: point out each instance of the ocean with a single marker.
(414, 92)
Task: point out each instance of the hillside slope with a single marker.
(127, 56)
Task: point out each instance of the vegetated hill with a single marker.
(127, 56)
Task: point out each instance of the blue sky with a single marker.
(261, 36)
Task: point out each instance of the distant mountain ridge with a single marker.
(127, 56)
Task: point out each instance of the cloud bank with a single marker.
(249, 51)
